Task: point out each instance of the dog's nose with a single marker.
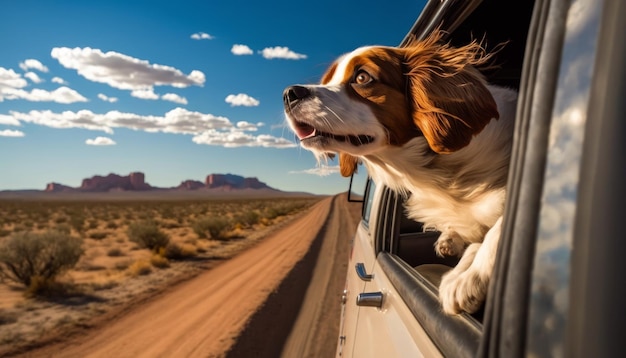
(293, 94)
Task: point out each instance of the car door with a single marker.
(386, 328)
(362, 255)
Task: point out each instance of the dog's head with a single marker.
(375, 97)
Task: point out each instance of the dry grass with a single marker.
(113, 271)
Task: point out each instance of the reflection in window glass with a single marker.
(550, 280)
(369, 200)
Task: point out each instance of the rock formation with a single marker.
(136, 182)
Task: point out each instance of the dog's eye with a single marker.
(362, 78)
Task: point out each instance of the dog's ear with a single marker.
(347, 164)
(451, 102)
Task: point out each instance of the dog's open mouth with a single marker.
(305, 132)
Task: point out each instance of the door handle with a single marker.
(362, 273)
(370, 299)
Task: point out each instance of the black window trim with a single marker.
(507, 310)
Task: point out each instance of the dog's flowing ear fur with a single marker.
(347, 164)
(451, 102)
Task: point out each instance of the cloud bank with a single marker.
(206, 128)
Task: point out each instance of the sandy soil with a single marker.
(245, 306)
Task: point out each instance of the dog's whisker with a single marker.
(335, 114)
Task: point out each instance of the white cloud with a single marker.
(122, 71)
(322, 170)
(178, 120)
(173, 97)
(34, 64)
(145, 94)
(206, 128)
(236, 138)
(241, 99)
(150, 95)
(266, 140)
(8, 120)
(107, 98)
(12, 84)
(247, 126)
(202, 36)
(10, 79)
(33, 77)
(60, 95)
(11, 133)
(100, 141)
(281, 52)
(59, 80)
(238, 49)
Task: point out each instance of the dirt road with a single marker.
(246, 306)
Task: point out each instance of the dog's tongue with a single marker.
(304, 131)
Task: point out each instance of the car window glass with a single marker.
(369, 200)
(551, 271)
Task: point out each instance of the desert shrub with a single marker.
(63, 228)
(248, 218)
(98, 235)
(40, 286)
(111, 225)
(77, 222)
(159, 261)
(175, 251)
(140, 268)
(27, 257)
(115, 252)
(8, 317)
(123, 265)
(103, 285)
(87, 266)
(147, 235)
(211, 226)
(4, 232)
(92, 223)
(60, 219)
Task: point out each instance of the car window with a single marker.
(369, 201)
(551, 268)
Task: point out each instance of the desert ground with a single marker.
(273, 290)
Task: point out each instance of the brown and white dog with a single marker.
(423, 121)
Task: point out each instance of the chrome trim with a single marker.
(362, 273)
(370, 299)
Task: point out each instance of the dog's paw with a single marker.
(449, 244)
(463, 291)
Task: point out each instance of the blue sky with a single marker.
(174, 89)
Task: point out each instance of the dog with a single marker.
(423, 121)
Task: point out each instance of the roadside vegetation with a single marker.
(72, 258)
